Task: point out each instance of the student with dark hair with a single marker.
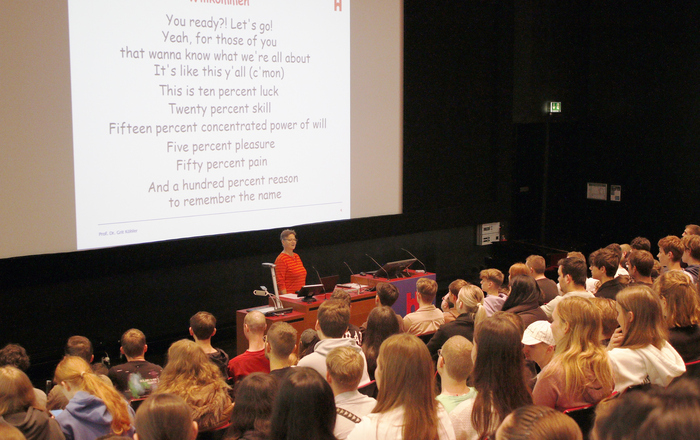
(679, 299)
(16, 356)
(572, 282)
(654, 414)
(670, 253)
(255, 396)
(639, 351)
(304, 408)
(534, 422)
(136, 377)
(353, 331)
(18, 407)
(548, 287)
(332, 322)
(641, 244)
(202, 329)
(640, 263)
(406, 404)
(164, 417)
(380, 325)
(523, 299)
(691, 255)
(603, 264)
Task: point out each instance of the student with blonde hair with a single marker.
(639, 351)
(579, 373)
(679, 299)
(535, 422)
(18, 407)
(470, 304)
(191, 375)
(164, 417)
(94, 408)
(406, 405)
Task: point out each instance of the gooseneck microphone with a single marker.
(381, 269)
(425, 269)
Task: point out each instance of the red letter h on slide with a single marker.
(410, 302)
(338, 5)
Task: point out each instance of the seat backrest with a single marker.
(584, 416)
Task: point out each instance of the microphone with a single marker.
(381, 269)
(350, 269)
(319, 280)
(425, 269)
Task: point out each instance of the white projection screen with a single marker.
(138, 121)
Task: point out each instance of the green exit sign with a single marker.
(555, 107)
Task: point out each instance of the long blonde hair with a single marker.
(408, 380)
(579, 354)
(648, 326)
(681, 296)
(77, 372)
(189, 371)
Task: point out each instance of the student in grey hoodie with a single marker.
(331, 324)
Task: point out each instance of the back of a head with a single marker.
(16, 391)
(387, 294)
(333, 318)
(642, 260)
(455, 286)
(282, 338)
(648, 326)
(255, 396)
(681, 297)
(203, 325)
(584, 322)
(185, 360)
(164, 417)
(79, 346)
(672, 244)
(9, 432)
(304, 407)
(533, 422)
(427, 289)
(381, 323)
(523, 290)
(654, 414)
(133, 343)
(403, 383)
(345, 366)
(518, 269)
(457, 353)
(615, 248)
(608, 315)
(342, 295)
(15, 355)
(641, 243)
(691, 243)
(536, 263)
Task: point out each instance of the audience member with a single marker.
(622, 256)
(655, 414)
(16, 356)
(691, 255)
(534, 422)
(380, 325)
(353, 331)
(470, 305)
(670, 253)
(191, 375)
(94, 408)
(307, 341)
(387, 294)
(679, 299)
(491, 284)
(427, 318)
(450, 313)
(691, 230)
(164, 417)
(252, 412)
(304, 408)
(454, 367)
(75, 346)
(202, 329)
(279, 348)
(538, 343)
(18, 407)
(579, 373)
(253, 359)
(608, 315)
(517, 269)
(548, 287)
(498, 378)
(640, 265)
(572, 282)
(344, 371)
(523, 299)
(406, 404)
(603, 264)
(136, 377)
(641, 244)
(639, 352)
(331, 324)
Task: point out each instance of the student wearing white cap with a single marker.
(538, 343)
